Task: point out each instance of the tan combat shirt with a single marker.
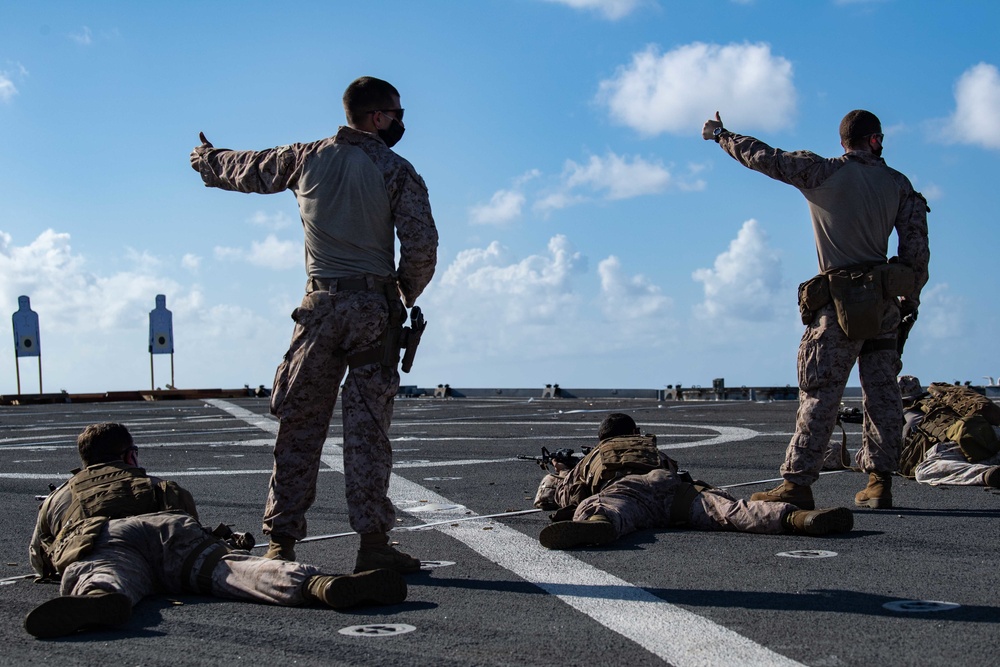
(855, 202)
(352, 191)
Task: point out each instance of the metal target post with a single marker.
(27, 342)
(161, 336)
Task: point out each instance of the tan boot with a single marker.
(66, 614)
(878, 493)
(799, 495)
(374, 587)
(819, 522)
(595, 530)
(991, 477)
(385, 557)
(280, 548)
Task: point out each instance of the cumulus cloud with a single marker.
(676, 91)
(610, 9)
(271, 253)
(611, 177)
(626, 297)
(533, 289)
(942, 314)
(503, 207)
(745, 280)
(191, 262)
(71, 297)
(976, 119)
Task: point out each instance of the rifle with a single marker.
(564, 456)
(410, 338)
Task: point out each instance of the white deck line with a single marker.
(676, 635)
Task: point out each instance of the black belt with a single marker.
(354, 284)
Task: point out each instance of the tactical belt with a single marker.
(209, 552)
(354, 284)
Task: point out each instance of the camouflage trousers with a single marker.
(328, 328)
(944, 463)
(826, 358)
(144, 554)
(638, 502)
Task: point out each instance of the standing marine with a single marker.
(353, 192)
(853, 308)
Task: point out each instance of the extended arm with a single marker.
(262, 172)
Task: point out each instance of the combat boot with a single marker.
(992, 477)
(280, 548)
(799, 495)
(595, 530)
(819, 522)
(66, 614)
(878, 493)
(374, 587)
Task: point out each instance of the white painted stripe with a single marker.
(674, 634)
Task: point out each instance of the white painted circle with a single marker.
(377, 630)
(808, 553)
(919, 606)
(433, 507)
(432, 564)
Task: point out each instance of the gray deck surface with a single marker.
(681, 597)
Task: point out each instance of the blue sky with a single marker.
(589, 236)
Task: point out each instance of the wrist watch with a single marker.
(717, 133)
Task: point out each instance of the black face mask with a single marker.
(392, 134)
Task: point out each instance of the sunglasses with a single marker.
(398, 112)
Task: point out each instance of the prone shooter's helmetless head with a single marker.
(616, 425)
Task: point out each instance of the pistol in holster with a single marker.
(409, 338)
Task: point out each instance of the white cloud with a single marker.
(72, 298)
(271, 253)
(675, 92)
(942, 314)
(540, 284)
(612, 176)
(610, 9)
(82, 37)
(628, 298)
(617, 177)
(7, 88)
(191, 262)
(503, 207)
(513, 318)
(745, 283)
(977, 108)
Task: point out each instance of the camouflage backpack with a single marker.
(952, 413)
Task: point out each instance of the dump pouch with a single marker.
(857, 295)
(813, 295)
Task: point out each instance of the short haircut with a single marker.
(100, 443)
(365, 95)
(615, 425)
(857, 125)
